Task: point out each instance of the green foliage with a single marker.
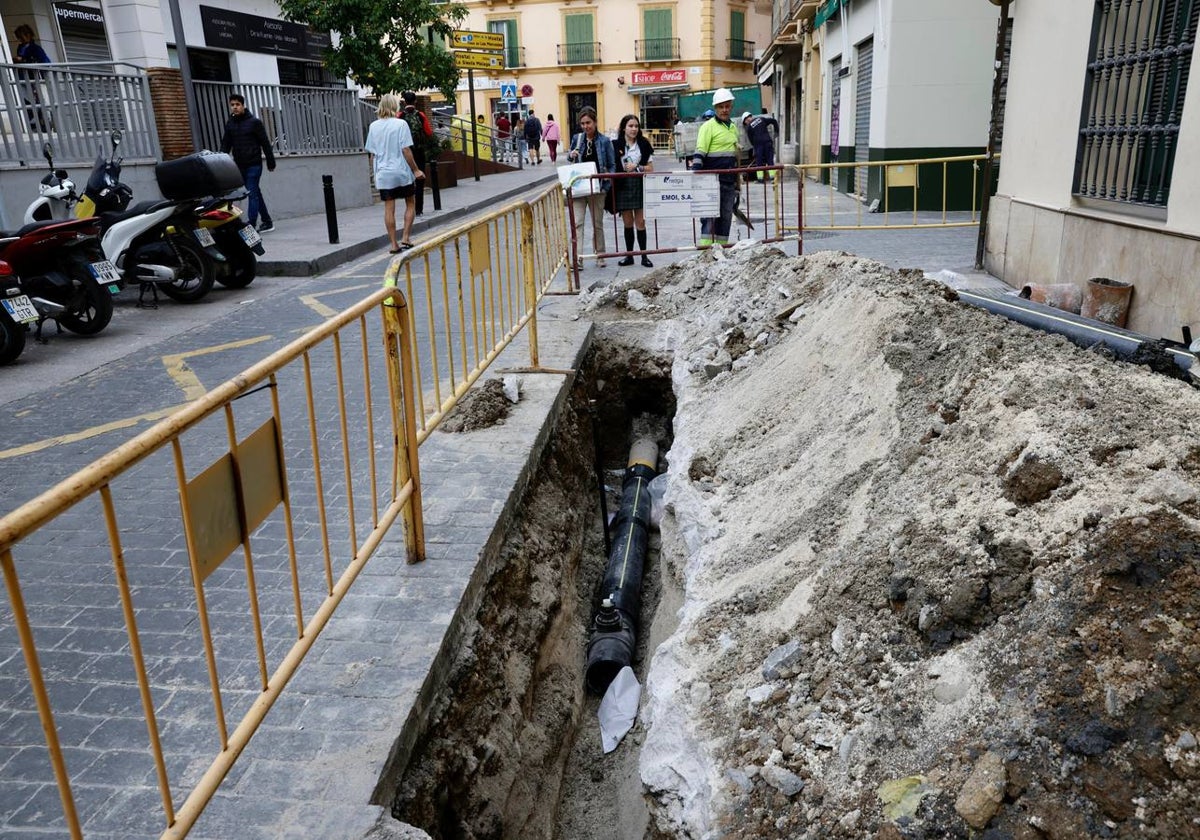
(384, 43)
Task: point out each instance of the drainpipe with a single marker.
(993, 131)
(614, 626)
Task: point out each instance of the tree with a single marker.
(384, 44)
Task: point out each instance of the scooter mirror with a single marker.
(60, 174)
(48, 153)
(116, 137)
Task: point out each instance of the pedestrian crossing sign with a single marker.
(508, 92)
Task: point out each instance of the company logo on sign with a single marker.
(659, 77)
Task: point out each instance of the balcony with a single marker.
(656, 49)
(738, 50)
(584, 52)
(514, 56)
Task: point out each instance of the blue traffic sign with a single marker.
(508, 92)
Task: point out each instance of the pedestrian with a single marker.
(29, 51)
(422, 134)
(634, 154)
(503, 133)
(591, 146)
(522, 144)
(533, 136)
(246, 140)
(552, 137)
(758, 132)
(717, 148)
(389, 143)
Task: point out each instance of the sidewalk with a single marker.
(300, 246)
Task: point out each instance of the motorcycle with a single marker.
(235, 238)
(167, 244)
(16, 313)
(63, 273)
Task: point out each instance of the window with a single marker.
(739, 48)
(659, 45)
(580, 46)
(1137, 75)
(512, 51)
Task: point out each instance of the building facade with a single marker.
(619, 57)
(877, 80)
(1099, 127)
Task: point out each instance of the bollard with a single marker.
(432, 166)
(330, 208)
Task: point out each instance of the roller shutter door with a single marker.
(862, 115)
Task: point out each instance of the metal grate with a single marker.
(1133, 100)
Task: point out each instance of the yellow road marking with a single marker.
(94, 431)
(183, 375)
(327, 312)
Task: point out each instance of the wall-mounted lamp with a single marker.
(620, 81)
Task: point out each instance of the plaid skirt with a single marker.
(629, 193)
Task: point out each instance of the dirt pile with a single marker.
(940, 570)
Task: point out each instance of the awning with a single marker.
(826, 12)
(656, 88)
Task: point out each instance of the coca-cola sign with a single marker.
(659, 77)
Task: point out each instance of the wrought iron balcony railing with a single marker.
(739, 50)
(656, 49)
(583, 52)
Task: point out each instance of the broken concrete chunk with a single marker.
(784, 781)
(780, 659)
(718, 364)
(981, 795)
(512, 388)
(636, 301)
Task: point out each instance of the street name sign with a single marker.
(478, 61)
(464, 39)
(678, 194)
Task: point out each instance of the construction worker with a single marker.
(717, 148)
(758, 132)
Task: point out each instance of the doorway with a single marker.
(576, 102)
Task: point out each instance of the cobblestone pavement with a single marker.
(310, 770)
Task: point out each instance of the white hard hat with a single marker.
(745, 116)
(721, 95)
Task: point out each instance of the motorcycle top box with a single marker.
(198, 175)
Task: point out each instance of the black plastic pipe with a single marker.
(1084, 332)
(614, 626)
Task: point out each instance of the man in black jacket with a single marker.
(246, 140)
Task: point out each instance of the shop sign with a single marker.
(659, 77)
(252, 33)
(681, 194)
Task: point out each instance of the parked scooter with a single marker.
(16, 312)
(63, 272)
(158, 244)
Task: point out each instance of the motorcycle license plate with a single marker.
(20, 308)
(105, 272)
(250, 236)
(204, 237)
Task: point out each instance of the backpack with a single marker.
(422, 133)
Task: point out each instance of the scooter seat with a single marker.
(111, 217)
(32, 226)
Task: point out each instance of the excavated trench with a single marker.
(513, 745)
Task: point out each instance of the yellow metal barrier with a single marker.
(905, 175)
(311, 406)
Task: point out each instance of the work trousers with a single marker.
(716, 230)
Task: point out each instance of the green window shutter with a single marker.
(507, 28)
(580, 46)
(656, 26)
(737, 35)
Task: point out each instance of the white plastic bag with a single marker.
(618, 709)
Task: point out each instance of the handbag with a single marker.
(583, 186)
(610, 199)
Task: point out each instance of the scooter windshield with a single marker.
(104, 174)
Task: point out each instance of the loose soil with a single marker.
(937, 577)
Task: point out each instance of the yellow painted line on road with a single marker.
(94, 431)
(185, 378)
(328, 312)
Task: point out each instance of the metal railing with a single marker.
(514, 56)
(583, 52)
(298, 120)
(307, 495)
(656, 49)
(662, 139)
(897, 187)
(738, 50)
(75, 107)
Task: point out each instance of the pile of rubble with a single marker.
(941, 572)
